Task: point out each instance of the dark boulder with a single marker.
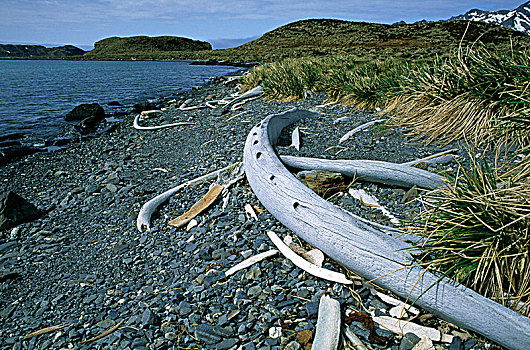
(90, 115)
(15, 210)
(85, 110)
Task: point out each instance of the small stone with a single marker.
(253, 291)
(424, 344)
(304, 337)
(149, 318)
(112, 188)
(170, 336)
(275, 332)
(106, 323)
(456, 344)
(184, 308)
(409, 341)
(410, 195)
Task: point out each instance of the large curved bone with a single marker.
(370, 171)
(366, 251)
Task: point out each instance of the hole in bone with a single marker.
(296, 205)
(255, 142)
(271, 177)
(258, 155)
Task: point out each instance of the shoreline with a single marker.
(84, 264)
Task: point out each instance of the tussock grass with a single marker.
(476, 231)
(476, 94)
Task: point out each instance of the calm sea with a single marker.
(35, 95)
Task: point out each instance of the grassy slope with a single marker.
(324, 37)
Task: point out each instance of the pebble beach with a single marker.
(85, 269)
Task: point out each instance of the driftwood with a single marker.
(306, 265)
(198, 207)
(144, 216)
(327, 333)
(370, 171)
(139, 127)
(367, 251)
(438, 158)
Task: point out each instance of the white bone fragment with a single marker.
(438, 158)
(325, 105)
(354, 339)
(250, 261)
(327, 332)
(151, 113)
(370, 171)
(306, 265)
(161, 169)
(236, 106)
(144, 216)
(370, 201)
(359, 128)
(138, 127)
(399, 306)
(402, 327)
(295, 138)
(193, 223)
(340, 120)
(250, 212)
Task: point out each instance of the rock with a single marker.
(15, 210)
(322, 182)
(90, 115)
(84, 111)
(253, 291)
(149, 318)
(410, 195)
(106, 323)
(304, 337)
(424, 344)
(409, 341)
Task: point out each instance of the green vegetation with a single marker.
(475, 94)
(315, 38)
(477, 232)
(143, 47)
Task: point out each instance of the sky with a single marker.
(223, 23)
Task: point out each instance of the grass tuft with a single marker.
(476, 231)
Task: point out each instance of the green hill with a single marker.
(321, 37)
(144, 47)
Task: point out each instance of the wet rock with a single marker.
(15, 210)
(84, 111)
(409, 341)
(149, 318)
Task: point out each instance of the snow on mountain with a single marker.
(518, 19)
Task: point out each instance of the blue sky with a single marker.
(82, 22)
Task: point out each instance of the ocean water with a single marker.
(35, 95)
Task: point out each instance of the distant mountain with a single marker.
(144, 47)
(26, 51)
(518, 19)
